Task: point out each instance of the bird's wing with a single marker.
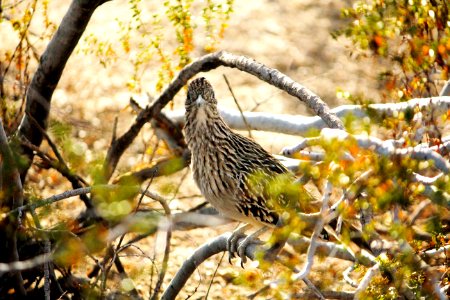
(256, 158)
(266, 177)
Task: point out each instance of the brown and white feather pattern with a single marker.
(223, 162)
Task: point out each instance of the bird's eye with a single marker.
(190, 97)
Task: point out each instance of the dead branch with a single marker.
(168, 228)
(219, 244)
(385, 148)
(445, 89)
(249, 129)
(317, 229)
(300, 125)
(207, 63)
(24, 264)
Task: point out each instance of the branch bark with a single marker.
(51, 66)
(300, 125)
(207, 63)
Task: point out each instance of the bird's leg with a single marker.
(232, 242)
(251, 239)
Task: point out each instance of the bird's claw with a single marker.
(243, 246)
(232, 244)
(234, 247)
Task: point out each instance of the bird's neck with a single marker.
(203, 122)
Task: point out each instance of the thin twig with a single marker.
(346, 275)
(364, 283)
(61, 166)
(50, 200)
(214, 275)
(47, 249)
(317, 230)
(238, 106)
(24, 264)
(165, 261)
(417, 211)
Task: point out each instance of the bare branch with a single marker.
(210, 248)
(346, 275)
(249, 129)
(317, 229)
(364, 283)
(52, 199)
(168, 228)
(385, 148)
(426, 180)
(24, 264)
(433, 252)
(417, 211)
(300, 125)
(207, 63)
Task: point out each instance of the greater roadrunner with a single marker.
(235, 174)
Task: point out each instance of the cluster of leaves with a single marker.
(17, 64)
(166, 38)
(411, 36)
(389, 197)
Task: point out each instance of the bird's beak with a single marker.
(200, 101)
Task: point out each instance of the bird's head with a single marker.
(200, 94)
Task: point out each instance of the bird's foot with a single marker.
(234, 247)
(232, 242)
(251, 239)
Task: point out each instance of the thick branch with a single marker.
(300, 125)
(206, 63)
(49, 71)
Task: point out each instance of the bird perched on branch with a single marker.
(235, 174)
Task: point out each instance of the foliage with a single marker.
(166, 37)
(411, 38)
(17, 63)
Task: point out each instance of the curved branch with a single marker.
(205, 251)
(207, 63)
(219, 244)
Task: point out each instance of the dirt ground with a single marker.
(291, 36)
